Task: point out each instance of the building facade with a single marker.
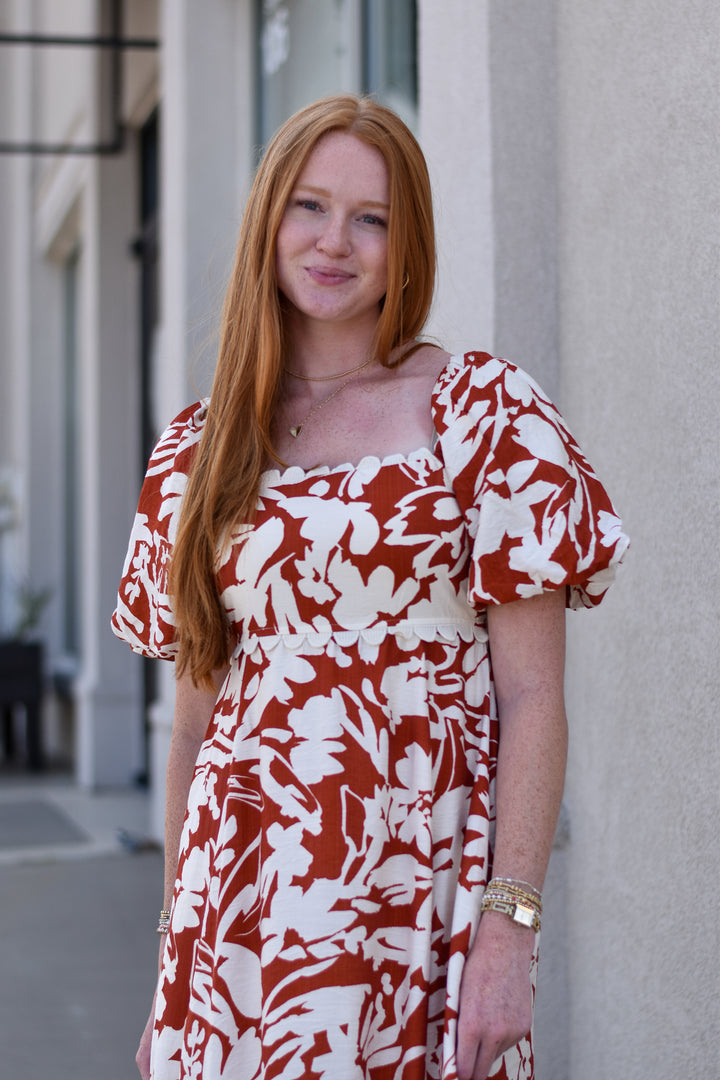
(574, 151)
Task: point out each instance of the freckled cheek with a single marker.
(292, 241)
(288, 247)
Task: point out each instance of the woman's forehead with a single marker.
(342, 158)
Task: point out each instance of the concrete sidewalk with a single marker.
(78, 911)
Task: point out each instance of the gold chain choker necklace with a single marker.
(329, 378)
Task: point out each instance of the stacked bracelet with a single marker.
(514, 883)
(513, 899)
(164, 924)
(509, 889)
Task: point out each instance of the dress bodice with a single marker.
(353, 550)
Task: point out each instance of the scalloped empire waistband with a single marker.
(411, 633)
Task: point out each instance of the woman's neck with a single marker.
(320, 349)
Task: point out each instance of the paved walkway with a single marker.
(78, 910)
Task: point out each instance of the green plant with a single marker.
(24, 602)
(8, 507)
(30, 605)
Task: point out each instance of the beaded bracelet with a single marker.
(164, 923)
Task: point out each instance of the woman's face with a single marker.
(331, 258)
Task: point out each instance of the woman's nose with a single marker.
(334, 237)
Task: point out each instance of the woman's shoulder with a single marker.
(179, 439)
(479, 367)
(485, 404)
(189, 423)
(475, 379)
(484, 380)
(432, 358)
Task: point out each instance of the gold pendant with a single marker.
(295, 431)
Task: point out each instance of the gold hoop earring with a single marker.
(405, 281)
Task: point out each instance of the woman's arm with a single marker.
(527, 647)
(193, 711)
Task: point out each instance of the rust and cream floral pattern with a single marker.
(340, 823)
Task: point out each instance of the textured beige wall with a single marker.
(639, 271)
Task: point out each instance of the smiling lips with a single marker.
(328, 275)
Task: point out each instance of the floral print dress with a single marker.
(340, 823)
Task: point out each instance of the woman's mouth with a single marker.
(328, 275)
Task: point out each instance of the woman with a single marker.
(371, 545)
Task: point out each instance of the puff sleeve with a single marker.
(143, 616)
(538, 517)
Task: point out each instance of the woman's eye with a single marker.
(372, 219)
(308, 204)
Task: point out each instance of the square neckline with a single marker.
(279, 474)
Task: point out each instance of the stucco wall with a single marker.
(639, 266)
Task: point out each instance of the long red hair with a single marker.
(236, 445)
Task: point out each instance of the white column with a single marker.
(487, 126)
(207, 53)
(523, 122)
(207, 121)
(455, 133)
(16, 307)
(109, 719)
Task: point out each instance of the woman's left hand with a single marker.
(495, 995)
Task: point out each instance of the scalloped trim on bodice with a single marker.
(370, 464)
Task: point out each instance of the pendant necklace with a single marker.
(297, 428)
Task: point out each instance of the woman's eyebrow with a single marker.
(326, 194)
